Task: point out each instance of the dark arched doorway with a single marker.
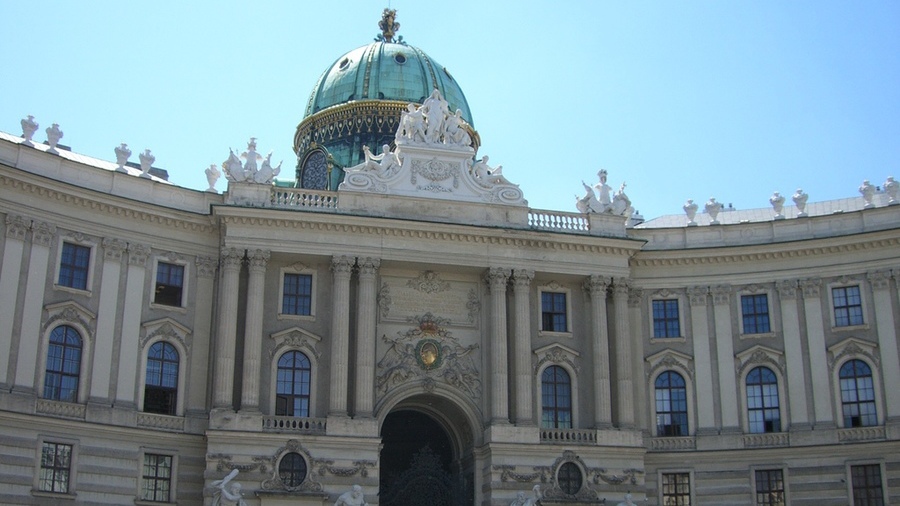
(420, 464)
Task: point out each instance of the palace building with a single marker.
(398, 318)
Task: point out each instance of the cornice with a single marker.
(78, 197)
(768, 252)
(381, 227)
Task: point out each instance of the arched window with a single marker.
(161, 383)
(292, 470)
(671, 405)
(857, 394)
(556, 393)
(569, 478)
(63, 365)
(314, 175)
(292, 391)
(763, 410)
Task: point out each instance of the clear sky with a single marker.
(680, 99)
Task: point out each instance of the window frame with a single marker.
(173, 478)
(57, 317)
(863, 307)
(664, 472)
(840, 393)
(303, 271)
(778, 391)
(769, 313)
(555, 408)
(276, 394)
(183, 357)
(175, 392)
(784, 482)
(687, 399)
(185, 282)
(554, 288)
(61, 373)
(679, 301)
(278, 470)
(860, 463)
(89, 269)
(43, 439)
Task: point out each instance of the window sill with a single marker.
(177, 309)
(54, 495)
(143, 502)
(297, 317)
(660, 340)
(549, 333)
(76, 291)
(850, 328)
(766, 335)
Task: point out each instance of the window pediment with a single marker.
(295, 337)
(670, 359)
(556, 354)
(69, 312)
(852, 347)
(166, 328)
(759, 355)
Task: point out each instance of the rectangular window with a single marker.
(553, 312)
(297, 295)
(56, 467)
(169, 284)
(867, 485)
(769, 487)
(665, 318)
(847, 306)
(676, 489)
(73, 266)
(156, 483)
(755, 313)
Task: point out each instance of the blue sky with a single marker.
(686, 99)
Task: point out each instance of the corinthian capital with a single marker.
(258, 258)
(341, 265)
(698, 295)
(368, 266)
(811, 287)
(522, 278)
(787, 288)
(597, 285)
(497, 278)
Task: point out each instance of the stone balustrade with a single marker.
(293, 424)
(569, 436)
(559, 221)
(303, 198)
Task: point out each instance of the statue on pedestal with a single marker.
(228, 492)
(352, 497)
(384, 165)
(867, 190)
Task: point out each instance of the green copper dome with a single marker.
(359, 100)
(385, 71)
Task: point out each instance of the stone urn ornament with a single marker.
(690, 209)
(777, 201)
(712, 209)
(800, 199)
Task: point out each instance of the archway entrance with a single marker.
(421, 463)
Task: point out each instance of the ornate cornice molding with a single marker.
(96, 206)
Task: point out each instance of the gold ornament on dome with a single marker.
(388, 25)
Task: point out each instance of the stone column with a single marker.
(256, 262)
(198, 367)
(793, 351)
(16, 229)
(230, 261)
(728, 390)
(523, 380)
(341, 267)
(105, 339)
(818, 354)
(598, 287)
(886, 327)
(497, 279)
(127, 375)
(365, 337)
(41, 238)
(625, 387)
(636, 317)
(703, 386)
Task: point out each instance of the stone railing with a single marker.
(293, 424)
(62, 409)
(768, 439)
(569, 436)
(163, 422)
(558, 221)
(667, 444)
(861, 434)
(302, 198)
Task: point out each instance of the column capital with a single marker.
(811, 287)
(635, 296)
(138, 254)
(597, 285)
(113, 248)
(258, 259)
(368, 266)
(341, 265)
(787, 288)
(206, 266)
(497, 277)
(16, 227)
(522, 278)
(721, 294)
(880, 279)
(231, 258)
(698, 295)
(621, 287)
(42, 233)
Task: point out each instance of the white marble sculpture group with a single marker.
(597, 199)
(432, 123)
(249, 171)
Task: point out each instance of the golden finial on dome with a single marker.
(388, 24)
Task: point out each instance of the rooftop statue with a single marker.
(867, 190)
(712, 209)
(388, 24)
(455, 133)
(690, 209)
(234, 170)
(383, 166)
(251, 157)
(228, 492)
(596, 199)
(890, 187)
(436, 109)
(485, 175)
(212, 175)
(267, 173)
(412, 125)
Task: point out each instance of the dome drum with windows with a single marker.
(358, 102)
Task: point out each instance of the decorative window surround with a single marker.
(173, 475)
(69, 494)
(303, 269)
(842, 283)
(859, 465)
(754, 488)
(172, 332)
(671, 360)
(78, 241)
(76, 316)
(172, 259)
(673, 473)
(751, 358)
(295, 339)
(667, 295)
(554, 287)
(562, 356)
(751, 291)
(855, 349)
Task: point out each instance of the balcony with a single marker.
(293, 424)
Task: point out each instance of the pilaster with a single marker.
(598, 288)
(365, 336)
(698, 296)
(198, 370)
(111, 272)
(341, 268)
(256, 263)
(886, 326)
(126, 385)
(230, 261)
(793, 350)
(624, 384)
(728, 391)
(16, 229)
(42, 235)
(818, 354)
(497, 278)
(522, 375)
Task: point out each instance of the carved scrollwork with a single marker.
(428, 282)
(434, 171)
(360, 467)
(508, 473)
(275, 482)
(384, 300)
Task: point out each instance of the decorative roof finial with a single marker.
(388, 25)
